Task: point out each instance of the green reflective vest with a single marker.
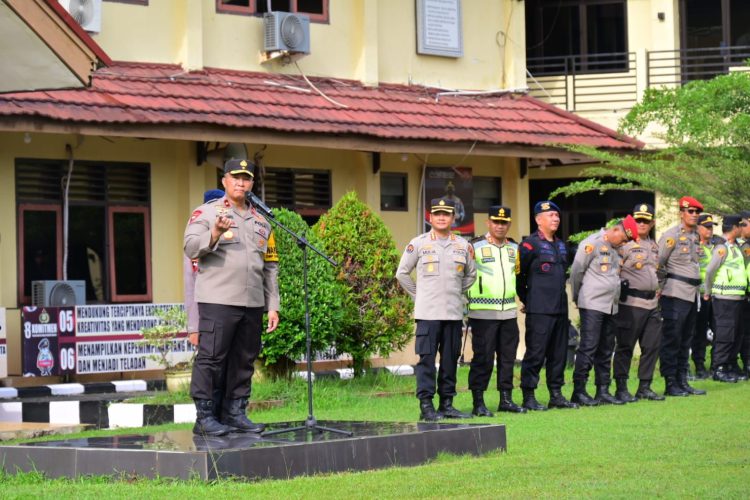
(731, 278)
(704, 258)
(495, 287)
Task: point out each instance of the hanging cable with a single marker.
(316, 89)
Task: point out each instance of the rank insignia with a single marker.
(683, 238)
(409, 248)
(603, 249)
(670, 242)
(588, 248)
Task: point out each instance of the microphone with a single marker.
(258, 204)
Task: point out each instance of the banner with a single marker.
(43, 327)
(453, 183)
(3, 345)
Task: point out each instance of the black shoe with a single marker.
(672, 388)
(701, 374)
(557, 400)
(480, 409)
(604, 397)
(580, 396)
(234, 415)
(447, 410)
(740, 375)
(507, 404)
(205, 421)
(687, 388)
(427, 411)
(530, 402)
(722, 374)
(622, 393)
(644, 392)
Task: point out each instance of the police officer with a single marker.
(492, 313)
(726, 283)
(540, 286)
(595, 283)
(445, 270)
(638, 317)
(745, 247)
(237, 280)
(707, 241)
(679, 275)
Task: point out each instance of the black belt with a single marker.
(641, 294)
(689, 281)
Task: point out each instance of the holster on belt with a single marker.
(624, 289)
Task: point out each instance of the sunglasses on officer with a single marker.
(692, 211)
(642, 221)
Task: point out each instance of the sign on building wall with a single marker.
(439, 31)
(454, 183)
(93, 339)
(3, 345)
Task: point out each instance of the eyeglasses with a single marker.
(643, 221)
(693, 211)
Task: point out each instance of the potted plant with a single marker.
(163, 337)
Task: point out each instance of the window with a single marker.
(109, 245)
(393, 191)
(486, 193)
(316, 9)
(307, 192)
(576, 35)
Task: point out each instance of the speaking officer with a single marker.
(679, 276)
(595, 283)
(638, 317)
(492, 313)
(726, 282)
(540, 285)
(237, 271)
(707, 242)
(445, 270)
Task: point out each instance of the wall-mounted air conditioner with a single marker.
(284, 31)
(87, 13)
(52, 293)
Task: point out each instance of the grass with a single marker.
(695, 447)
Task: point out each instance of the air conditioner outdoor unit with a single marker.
(58, 293)
(284, 31)
(87, 13)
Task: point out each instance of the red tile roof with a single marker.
(156, 94)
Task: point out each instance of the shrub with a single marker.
(377, 311)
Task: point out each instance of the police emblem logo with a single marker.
(588, 248)
(644, 208)
(243, 164)
(722, 252)
(442, 203)
(545, 206)
(409, 248)
(501, 212)
(670, 242)
(685, 204)
(511, 253)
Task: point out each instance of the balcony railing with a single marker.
(591, 82)
(676, 67)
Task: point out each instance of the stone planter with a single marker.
(178, 380)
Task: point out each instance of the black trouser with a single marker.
(596, 346)
(642, 325)
(546, 341)
(677, 331)
(745, 348)
(433, 337)
(490, 337)
(703, 321)
(230, 339)
(727, 317)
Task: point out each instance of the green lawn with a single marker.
(693, 447)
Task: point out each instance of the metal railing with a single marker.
(590, 82)
(672, 68)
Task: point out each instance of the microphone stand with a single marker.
(311, 424)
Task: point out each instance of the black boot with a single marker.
(723, 374)
(427, 411)
(644, 392)
(480, 410)
(557, 400)
(604, 397)
(682, 378)
(739, 374)
(447, 411)
(622, 392)
(701, 373)
(235, 416)
(580, 396)
(507, 404)
(530, 402)
(205, 421)
(673, 388)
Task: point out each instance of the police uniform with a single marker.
(703, 317)
(595, 284)
(492, 316)
(540, 286)
(726, 279)
(638, 318)
(745, 345)
(236, 282)
(445, 270)
(679, 277)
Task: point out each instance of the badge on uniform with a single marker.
(228, 234)
(683, 238)
(588, 248)
(747, 252)
(638, 265)
(460, 268)
(604, 249)
(670, 242)
(194, 216)
(722, 252)
(486, 252)
(430, 268)
(409, 248)
(605, 260)
(604, 268)
(639, 256)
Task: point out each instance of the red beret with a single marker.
(631, 228)
(689, 201)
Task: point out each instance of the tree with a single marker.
(706, 128)
(377, 311)
(287, 343)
